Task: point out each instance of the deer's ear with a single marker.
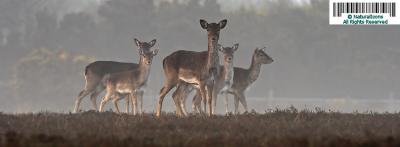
(203, 24)
(263, 49)
(155, 52)
(235, 46)
(137, 42)
(222, 23)
(220, 48)
(153, 42)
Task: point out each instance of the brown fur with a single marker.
(223, 79)
(94, 73)
(130, 82)
(243, 78)
(201, 67)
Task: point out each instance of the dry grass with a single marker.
(276, 128)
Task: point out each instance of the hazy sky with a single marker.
(232, 5)
(62, 7)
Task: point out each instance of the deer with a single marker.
(223, 82)
(132, 83)
(198, 68)
(95, 72)
(242, 79)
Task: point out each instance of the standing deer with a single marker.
(199, 68)
(242, 79)
(223, 81)
(132, 82)
(94, 73)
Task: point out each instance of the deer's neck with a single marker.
(143, 73)
(227, 76)
(212, 57)
(228, 72)
(254, 71)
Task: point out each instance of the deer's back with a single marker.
(101, 68)
(183, 60)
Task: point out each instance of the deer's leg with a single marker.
(214, 98)
(210, 93)
(115, 102)
(203, 94)
(78, 100)
(135, 104)
(140, 96)
(204, 99)
(166, 88)
(93, 96)
(236, 102)
(133, 97)
(196, 102)
(127, 97)
(199, 99)
(176, 96)
(242, 100)
(186, 91)
(91, 84)
(183, 104)
(117, 97)
(226, 102)
(206, 93)
(105, 99)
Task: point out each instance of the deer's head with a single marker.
(261, 57)
(144, 46)
(228, 52)
(213, 29)
(147, 57)
(145, 52)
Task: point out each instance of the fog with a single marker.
(46, 44)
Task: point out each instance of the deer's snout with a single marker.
(213, 38)
(229, 59)
(269, 61)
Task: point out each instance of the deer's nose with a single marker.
(214, 38)
(148, 62)
(229, 58)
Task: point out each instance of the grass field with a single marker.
(288, 127)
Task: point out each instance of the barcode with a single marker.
(364, 7)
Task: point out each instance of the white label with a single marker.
(364, 12)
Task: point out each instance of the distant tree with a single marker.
(47, 79)
(77, 31)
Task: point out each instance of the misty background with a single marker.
(46, 44)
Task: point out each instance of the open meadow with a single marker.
(288, 127)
